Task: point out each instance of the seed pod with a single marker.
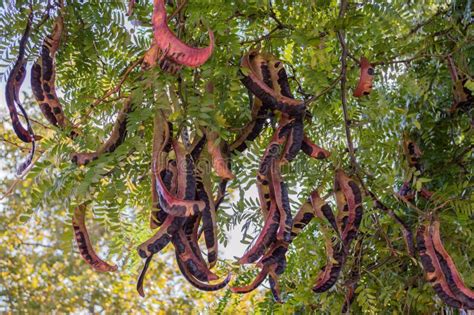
(366, 77)
(209, 220)
(434, 273)
(196, 283)
(255, 283)
(331, 271)
(280, 194)
(266, 237)
(117, 137)
(349, 202)
(267, 95)
(313, 150)
(183, 204)
(13, 86)
(84, 244)
(322, 210)
(43, 77)
(189, 258)
(175, 50)
(451, 274)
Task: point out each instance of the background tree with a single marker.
(320, 42)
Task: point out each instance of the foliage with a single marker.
(41, 272)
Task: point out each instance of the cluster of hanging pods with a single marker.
(184, 206)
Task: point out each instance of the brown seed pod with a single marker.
(188, 256)
(451, 274)
(262, 275)
(84, 244)
(178, 205)
(349, 202)
(364, 87)
(266, 237)
(43, 79)
(209, 216)
(169, 176)
(116, 138)
(175, 50)
(335, 253)
(279, 190)
(266, 94)
(13, 86)
(313, 150)
(198, 284)
(434, 273)
(331, 271)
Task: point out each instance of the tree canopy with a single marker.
(413, 46)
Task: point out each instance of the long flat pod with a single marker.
(12, 90)
(13, 86)
(84, 244)
(451, 273)
(196, 266)
(209, 217)
(162, 145)
(273, 261)
(43, 77)
(280, 194)
(198, 284)
(175, 49)
(169, 176)
(266, 237)
(180, 205)
(171, 224)
(353, 197)
(271, 98)
(331, 271)
(322, 210)
(335, 253)
(272, 153)
(433, 271)
(255, 283)
(116, 138)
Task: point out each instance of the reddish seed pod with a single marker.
(175, 50)
(367, 72)
(84, 244)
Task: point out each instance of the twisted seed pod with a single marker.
(175, 50)
(43, 77)
(117, 137)
(266, 94)
(84, 244)
(451, 274)
(434, 273)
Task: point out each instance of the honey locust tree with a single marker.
(320, 43)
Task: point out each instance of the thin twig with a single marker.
(178, 10)
(20, 178)
(263, 37)
(117, 88)
(22, 148)
(325, 91)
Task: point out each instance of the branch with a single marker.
(117, 87)
(263, 37)
(323, 92)
(342, 40)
